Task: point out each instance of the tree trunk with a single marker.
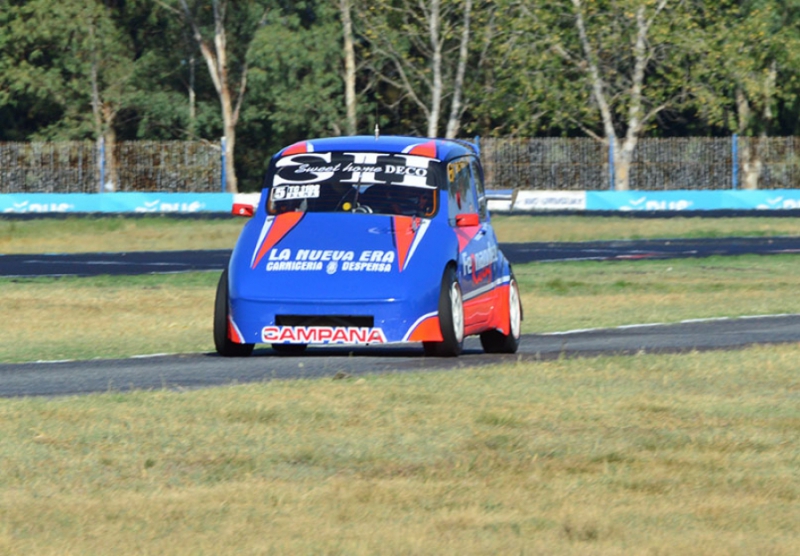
(454, 121)
(229, 129)
(192, 131)
(217, 61)
(751, 162)
(110, 135)
(436, 68)
(349, 68)
(622, 164)
(635, 119)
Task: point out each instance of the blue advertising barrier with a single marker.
(624, 201)
(775, 199)
(184, 203)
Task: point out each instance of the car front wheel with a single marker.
(451, 318)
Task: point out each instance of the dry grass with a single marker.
(691, 454)
(79, 318)
(524, 228)
(565, 296)
(115, 234)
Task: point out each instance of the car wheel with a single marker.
(451, 318)
(222, 343)
(289, 349)
(494, 341)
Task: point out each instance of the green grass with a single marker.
(682, 454)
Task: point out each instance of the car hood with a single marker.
(336, 256)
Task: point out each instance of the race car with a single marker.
(369, 241)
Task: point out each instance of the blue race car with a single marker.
(365, 241)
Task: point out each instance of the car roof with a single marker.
(441, 149)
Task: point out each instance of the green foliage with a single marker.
(295, 77)
(746, 59)
(712, 68)
(545, 84)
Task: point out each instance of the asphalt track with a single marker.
(155, 262)
(189, 371)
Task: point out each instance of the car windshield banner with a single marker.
(358, 182)
(353, 168)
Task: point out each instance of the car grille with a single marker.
(325, 320)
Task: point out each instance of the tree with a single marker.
(346, 12)
(607, 67)
(72, 57)
(209, 21)
(421, 50)
(296, 75)
(747, 59)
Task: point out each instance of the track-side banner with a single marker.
(499, 201)
(643, 201)
(549, 200)
(677, 201)
(115, 202)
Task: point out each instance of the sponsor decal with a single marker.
(322, 335)
(332, 260)
(454, 168)
(550, 200)
(25, 207)
(366, 267)
(779, 203)
(643, 203)
(159, 206)
(359, 167)
(478, 265)
(286, 192)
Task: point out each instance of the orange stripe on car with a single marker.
(427, 331)
(282, 225)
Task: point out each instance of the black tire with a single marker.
(222, 343)
(494, 341)
(451, 318)
(289, 349)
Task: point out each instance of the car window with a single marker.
(477, 175)
(461, 195)
(356, 182)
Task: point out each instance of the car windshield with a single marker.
(361, 182)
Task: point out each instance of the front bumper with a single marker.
(325, 322)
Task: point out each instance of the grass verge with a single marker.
(682, 454)
(117, 234)
(106, 316)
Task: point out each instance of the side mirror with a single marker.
(243, 209)
(467, 220)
